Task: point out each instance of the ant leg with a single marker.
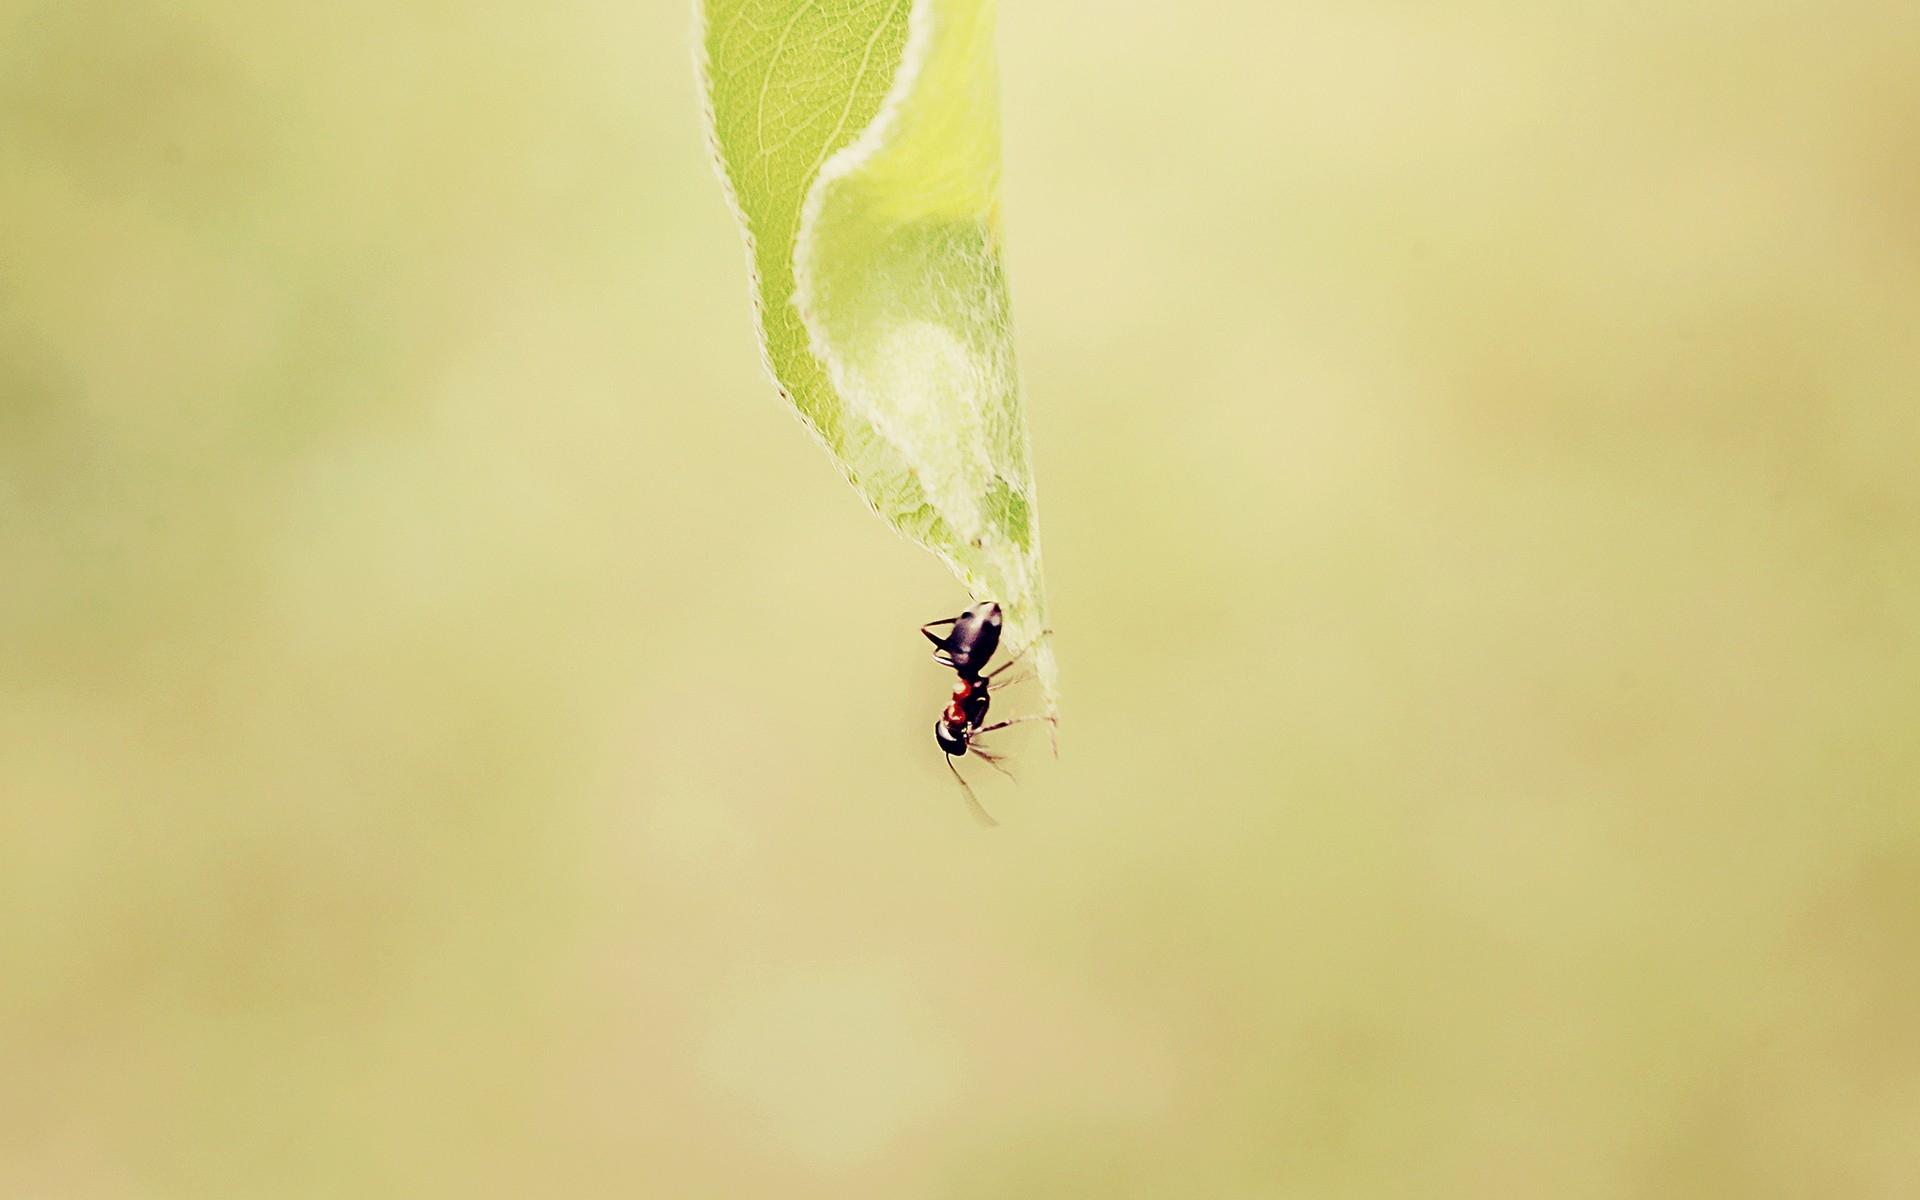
(1020, 654)
(992, 760)
(980, 813)
(1009, 721)
(1010, 662)
(939, 643)
(1016, 681)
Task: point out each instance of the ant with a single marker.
(974, 636)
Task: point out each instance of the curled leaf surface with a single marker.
(860, 142)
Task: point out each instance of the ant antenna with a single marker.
(980, 812)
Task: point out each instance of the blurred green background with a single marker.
(459, 737)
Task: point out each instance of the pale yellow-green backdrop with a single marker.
(459, 737)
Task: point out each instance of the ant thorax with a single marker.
(970, 700)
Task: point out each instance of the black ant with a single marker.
(965, 650)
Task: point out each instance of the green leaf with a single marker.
(860, 141)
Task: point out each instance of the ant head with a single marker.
(952, 738)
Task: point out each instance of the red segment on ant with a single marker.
(966, 648)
